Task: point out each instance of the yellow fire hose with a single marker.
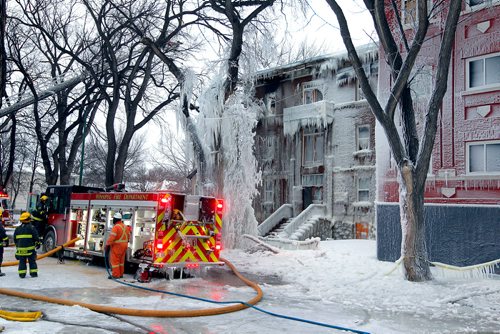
(140, 312)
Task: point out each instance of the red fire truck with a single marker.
(168, 230)
(5, 216)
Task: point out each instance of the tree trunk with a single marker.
(413, 247)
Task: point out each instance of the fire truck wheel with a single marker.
(49, 242)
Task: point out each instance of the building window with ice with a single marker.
(483, 157)
(363, 137)
(483, 72)
(313, 186)
(268, 192)
(313, 148)
(312, 91)
(364, 189)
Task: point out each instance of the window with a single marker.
(271, 103)
(483, 72)
(483, 158)
(364, 189)
(313, 148)
(312, 92)
(315, 182)
(358, 94)
(478, 4)
(269, 192)
(363, 137)
(409, 11)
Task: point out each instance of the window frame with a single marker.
(358, 128)
(359, 190)
(483, 87)
(403, 11)
(468, 157)
(314, 88)
(268, 191)
(315, 162)
(485, 4)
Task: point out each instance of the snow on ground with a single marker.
(341, 283)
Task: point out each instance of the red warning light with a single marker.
(220, 205)
(166, 199)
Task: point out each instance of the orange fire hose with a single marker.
(41, 256)
(140, 312)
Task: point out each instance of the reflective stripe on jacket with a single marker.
(25, 238)
(118, 230)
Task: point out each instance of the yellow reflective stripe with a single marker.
(26, 248)
(120, 241)
(123, 237)
(22, 271)
(24, 236)
(6, 238)
(113, 233)
(36, 218)
(33, 270)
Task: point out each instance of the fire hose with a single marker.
(237, 305)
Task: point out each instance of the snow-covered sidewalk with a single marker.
(341, 283)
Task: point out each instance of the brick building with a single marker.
(463, 183)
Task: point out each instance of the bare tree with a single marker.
(47, 32)
(134, 77)
(411, 151)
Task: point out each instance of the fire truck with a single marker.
(168, 230)
(5, 216)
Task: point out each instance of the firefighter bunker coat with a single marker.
(26, 240)
(118, 243)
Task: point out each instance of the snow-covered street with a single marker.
(341, 284)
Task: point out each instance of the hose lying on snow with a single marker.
(41, 256)
(238, 305)
(146, 313)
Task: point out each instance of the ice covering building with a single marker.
(315, 145)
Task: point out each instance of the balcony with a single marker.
(317, 114)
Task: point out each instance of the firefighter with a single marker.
(116, 246)
(26, 240)
(41, 215)
(4, 240)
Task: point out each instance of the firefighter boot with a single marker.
(2, 274)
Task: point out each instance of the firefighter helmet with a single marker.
(117, 217)
(25, 217)
(44, 197)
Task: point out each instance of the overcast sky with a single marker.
(323, 27)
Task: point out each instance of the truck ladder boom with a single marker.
(26, 98)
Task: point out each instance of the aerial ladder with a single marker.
(16, 102)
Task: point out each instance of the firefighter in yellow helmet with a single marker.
(40, 215)
(26, 240)
(117, 246)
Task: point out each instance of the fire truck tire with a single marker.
(49, 241)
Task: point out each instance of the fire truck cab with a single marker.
(168, 230)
